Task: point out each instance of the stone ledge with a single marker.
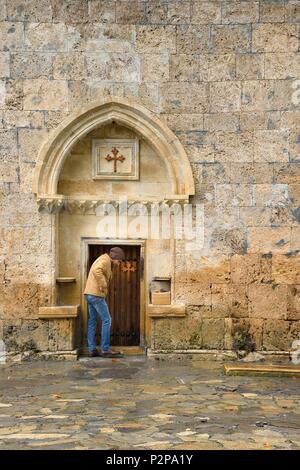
(59, 311)
(160, 311)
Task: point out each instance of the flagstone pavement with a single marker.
(139, 403)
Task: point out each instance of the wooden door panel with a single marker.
(123, 296)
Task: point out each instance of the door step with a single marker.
(130, 350)
(259, 369)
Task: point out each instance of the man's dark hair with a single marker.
(117, 253)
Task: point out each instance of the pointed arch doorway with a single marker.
(68, 194)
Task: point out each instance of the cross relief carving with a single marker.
(115, 158)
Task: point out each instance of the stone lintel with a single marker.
(166, 310)
(59, 311)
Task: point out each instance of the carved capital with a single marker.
(50, 205)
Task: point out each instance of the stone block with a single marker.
(271, 195)
(245, 334)
(161, 334)
(179, 12)
(61, 334)
(206, 273)
(213, 333)
(193, 39)
(155, 67)
(180, 333)
(233, 147)
(271, 146)
(193, 294)
(272, 11)
(130, 12)
(102, 11)
(3, 11)
(4, 65)
(108, 66)
(11, 36)
(218, 67)
(184, 122)
(69, 66)
(269, 239)
(286, 268)
(234, 194)
(266, 95)
(251, 269)
(156, 12)
(278, 335)
(224, 96)
(29, 10)
(259, 120)
(185, 68)
(228, 122)
(240, 11)
(292, 11)
(27, 298)
(294, 146)
(295, 238)
(204, 12)
(293, 302)
(79, 92)
(199, 311)
(290, 119)
(282, 65)
(250, 66)
(16, 118)
(274, 37)
(208, 173)
(228, 240)
(100, 37)
(250, 173)
(30, 141)
(25, 335)
(229, 301)
(41, 94)
(70, 11)
(12, 94)
(156, 39)
(231, 38)
(186, 333)
(184, 97)
(268, 301)
(8, 145)
(52, 37)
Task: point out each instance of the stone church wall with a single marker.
(225, 77)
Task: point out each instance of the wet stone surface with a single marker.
(139, 403)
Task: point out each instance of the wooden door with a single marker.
(123, 296)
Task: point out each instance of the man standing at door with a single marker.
(95, 293)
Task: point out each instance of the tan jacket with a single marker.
(99, 276)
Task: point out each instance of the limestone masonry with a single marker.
(211, 91)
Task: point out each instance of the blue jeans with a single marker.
(98, 309)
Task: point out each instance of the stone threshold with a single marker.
(262, 369)
(126, 350)
(215, 354)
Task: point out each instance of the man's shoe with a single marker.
(94, 353)
(111, 354)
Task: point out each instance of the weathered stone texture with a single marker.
(224, 76)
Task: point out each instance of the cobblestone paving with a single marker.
(138, 403)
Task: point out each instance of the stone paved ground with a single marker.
(138, 403)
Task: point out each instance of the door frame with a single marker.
(84, 256)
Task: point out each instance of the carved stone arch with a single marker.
(134, 116)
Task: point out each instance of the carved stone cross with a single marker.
(115, 158)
